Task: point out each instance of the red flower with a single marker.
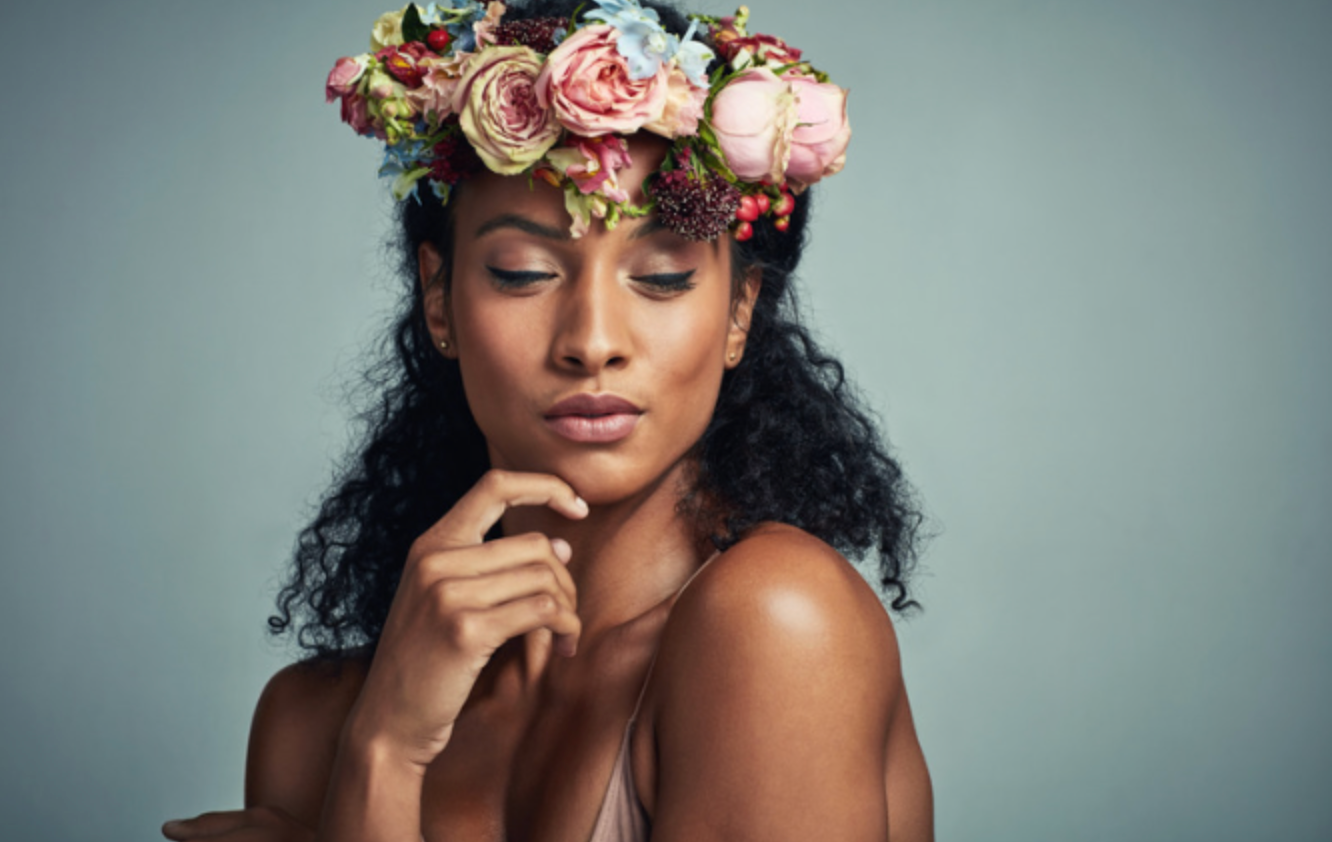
(770, 48)
(404, 62)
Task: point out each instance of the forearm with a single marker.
(374, 795)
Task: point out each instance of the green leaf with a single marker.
(573, 19)
(412, 27)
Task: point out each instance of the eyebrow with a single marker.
(647, 229)
(522, 223)
(654, 224)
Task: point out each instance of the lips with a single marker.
(590, 405)
(593, 419)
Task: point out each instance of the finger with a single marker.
(484, 503)
(499, 555)
(205, 825)
(533, 612)
(483, 592)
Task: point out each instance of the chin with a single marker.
(601, 476)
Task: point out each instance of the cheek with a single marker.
(685, 354)
(685, 348)
(496, 351)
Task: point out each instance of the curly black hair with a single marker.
(790, 441)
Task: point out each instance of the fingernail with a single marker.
(562, 549)
(568, 647)
(580, 503)
(173, 826)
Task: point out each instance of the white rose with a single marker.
(387, 31)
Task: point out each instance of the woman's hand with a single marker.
(459, 599)
(257, 824)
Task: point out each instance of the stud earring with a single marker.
(733, 355)
(444, 343)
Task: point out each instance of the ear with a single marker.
(742, 310)
(431, 266)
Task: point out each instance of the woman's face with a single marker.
(535, 317)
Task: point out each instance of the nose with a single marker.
(591, 322)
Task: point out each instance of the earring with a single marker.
(733, 355)
(444, 343)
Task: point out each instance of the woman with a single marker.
(598, 396)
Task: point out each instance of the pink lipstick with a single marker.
(593, 418)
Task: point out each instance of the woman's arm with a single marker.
(293, 742)
(347, 752)
(294, 736)
(782, 714)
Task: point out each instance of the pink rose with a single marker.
(499, 111)
(355, 113)
(818, 145)
(754, 118)
(438, 87)
(684, 107)
(591, 163)
(587, 83)
(343, 77)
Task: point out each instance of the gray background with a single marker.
(1079, 260)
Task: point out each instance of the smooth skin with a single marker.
(495, 702)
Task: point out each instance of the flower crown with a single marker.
(452, 88)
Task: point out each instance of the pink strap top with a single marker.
(622, 817)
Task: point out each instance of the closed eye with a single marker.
(510, 277)
(668, 280)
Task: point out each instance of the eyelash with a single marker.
(672, 281)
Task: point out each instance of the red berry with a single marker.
(438, 39)
(763, 202)
(743, 232)
(782, 223)
(784, 205)
(748, 210)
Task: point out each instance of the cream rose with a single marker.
(499, 111)
(387, 31)
(684, 107)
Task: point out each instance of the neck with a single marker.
(628, 556)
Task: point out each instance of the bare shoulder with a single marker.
(776, 661)
(784, 594)
(294, 734)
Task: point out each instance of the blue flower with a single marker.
(406, 154)
(464, 39)
(430, 14)
(693, 57)
(645, 45)
(621, 9)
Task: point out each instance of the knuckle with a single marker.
(495, 479)
(444, 596)
(464, 629)
(545, 604)
(425, 573)
(419, 553)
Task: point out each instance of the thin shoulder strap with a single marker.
(642, 690)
